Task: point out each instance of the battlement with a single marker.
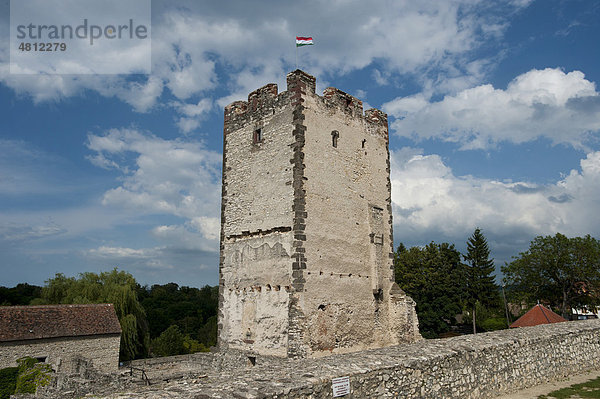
(265, 100)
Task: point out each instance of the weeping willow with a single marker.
(116, 287)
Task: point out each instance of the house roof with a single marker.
(537, 315)
(19, 323)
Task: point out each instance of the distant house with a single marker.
(61, 334)
(536, 316)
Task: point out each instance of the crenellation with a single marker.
(302, 80)
(377, 117)
(344, 101)
(262, 98)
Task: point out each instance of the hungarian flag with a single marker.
(303, 41)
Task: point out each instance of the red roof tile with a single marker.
(50, 321)
(538, 315)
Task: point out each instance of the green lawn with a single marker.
(589, 389)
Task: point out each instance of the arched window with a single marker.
(334, 138)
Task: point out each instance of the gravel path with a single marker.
(544, 389)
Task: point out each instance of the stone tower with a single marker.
(306, 266)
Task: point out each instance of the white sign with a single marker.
(340, 386)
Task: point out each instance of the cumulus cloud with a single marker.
(199, 46)
(173, 178)
(563, 107)
(191, 115)
(431, 201)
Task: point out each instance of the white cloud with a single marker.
(191, 39)
(119, 252)
(174, 177)
(563, 107)
(430, 201)
(192, 114)
(24, 233)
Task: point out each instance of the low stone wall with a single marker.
(476, 367)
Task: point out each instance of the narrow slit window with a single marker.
(364, 142)
(334, 138)
(257, 137)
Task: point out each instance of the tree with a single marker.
(563, 271)
(116, 287)
(481, 286)
(169, 343)
(434, 277)
(193, 310)
(21, 294)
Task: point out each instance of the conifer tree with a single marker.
(481, 286)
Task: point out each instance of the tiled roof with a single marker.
(19, 323)
(538, 315)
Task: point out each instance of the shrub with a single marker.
(8, 381)
(493, 324)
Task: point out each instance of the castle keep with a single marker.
(306, 265)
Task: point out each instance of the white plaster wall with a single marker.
(342, 183)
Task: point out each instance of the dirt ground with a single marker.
(544, 389)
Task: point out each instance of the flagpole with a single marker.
(296, 56)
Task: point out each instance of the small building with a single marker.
(536, 316)
(60, 335)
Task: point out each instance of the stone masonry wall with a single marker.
(347, 230)
(61, 353)
(468, 367)
(256, 223)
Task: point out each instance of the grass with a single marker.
(589, 389)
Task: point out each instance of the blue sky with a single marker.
(494, 112)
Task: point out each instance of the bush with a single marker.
(494, 323)
(169, 343)
(8, 381)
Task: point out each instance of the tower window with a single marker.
(257, 137)
(334, 138)
(364, 142)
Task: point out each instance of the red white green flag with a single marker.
(303, 41)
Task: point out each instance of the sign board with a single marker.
(340, 386)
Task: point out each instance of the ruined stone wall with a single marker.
(62, 353)
(468, 367)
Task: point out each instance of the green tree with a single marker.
(169, 343)
(481, 287)
(563, 271)
(21, 294)
(8, 381)
(193, 310)
(116, 287)
(434, 277)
